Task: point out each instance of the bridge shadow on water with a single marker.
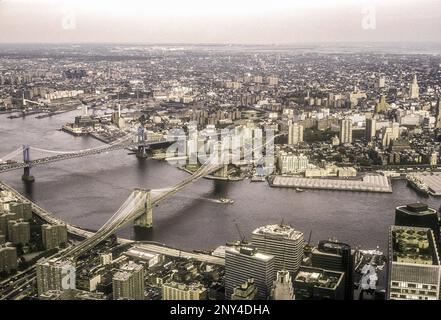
(143, 234)
(28, 188)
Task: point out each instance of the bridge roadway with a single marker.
(79, 232)
(71, 155)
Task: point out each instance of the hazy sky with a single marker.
(219, 21)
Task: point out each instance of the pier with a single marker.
(368, 183)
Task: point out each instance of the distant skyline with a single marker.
(219, 22)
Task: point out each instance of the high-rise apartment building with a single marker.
(53, 235)
(295, 133)
(55, 274)
(19, 232)
(346, 131)
(8, 258)
(128, 282)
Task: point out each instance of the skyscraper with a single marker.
(128, 282)
(346, 131)
(243, 262)
(336, 256)
(295, 133)
(371, 128)
(414, 88)
(414, 266)
(283, 242)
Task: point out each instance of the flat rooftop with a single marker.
(417, 209)
(413, 245)
(249, 251)
(277, 230)
(319, 277)
(369, 183)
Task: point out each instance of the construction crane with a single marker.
(242, 238)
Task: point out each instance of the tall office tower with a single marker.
(282, 242)
(246, 291)
(371, 128)
(55, 274)
(243, 262)
(418, 215)
(182, 291)
(438, 113)
(295, 133)
(414, 88)
(319, 284)
(336, 256)
(381, 105)
(53, 235)
(346, 131)
(128, 282)
(8, 258)
(19, 231)
(414, 266)
(283, 287)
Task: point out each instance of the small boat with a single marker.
(225, 200)
(299, 190)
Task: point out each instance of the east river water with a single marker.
(87, 191)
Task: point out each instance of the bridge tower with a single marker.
(146, 220)
(222, 172)
(142, 150)
(27, 176)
